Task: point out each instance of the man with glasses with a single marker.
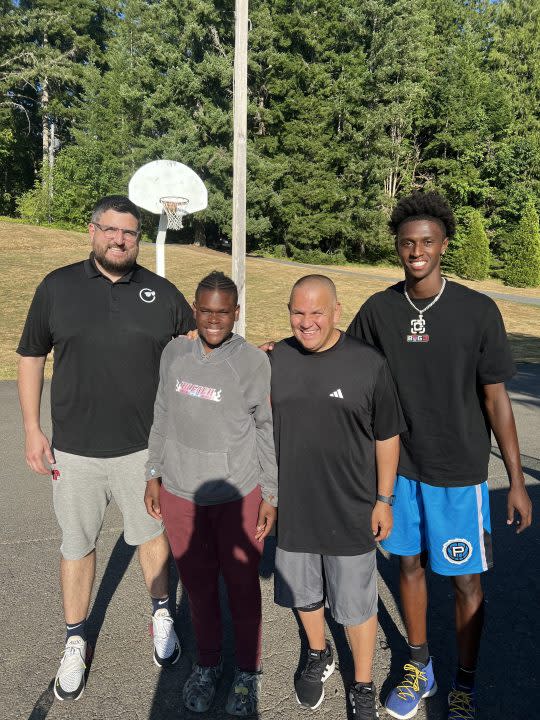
(107, 320)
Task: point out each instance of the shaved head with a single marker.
(317, 282)
(314, 312)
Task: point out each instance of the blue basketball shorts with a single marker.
(451, 523)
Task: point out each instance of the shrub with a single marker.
(472, 260)
(522, 256)
(314, 256)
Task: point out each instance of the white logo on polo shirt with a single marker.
(337, 393)
(147, 295)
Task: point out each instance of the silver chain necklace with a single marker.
(418, 325)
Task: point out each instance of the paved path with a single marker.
(526, 300)
(124, 684)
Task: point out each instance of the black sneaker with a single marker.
(364, 702)
(309, 686)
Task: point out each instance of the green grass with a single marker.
(30, 252)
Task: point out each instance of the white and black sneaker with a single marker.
(166, 643)
(309, 686)
(364, 702)
(70, 678)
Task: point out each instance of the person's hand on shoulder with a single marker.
(192, 334)
(267, 346)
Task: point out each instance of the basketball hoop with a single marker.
(175, 208)
(171, 190)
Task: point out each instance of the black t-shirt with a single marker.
(439, 374)
(329, 408)
(107, 339)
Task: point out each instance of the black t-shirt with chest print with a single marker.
(439, 367)
(329, 408)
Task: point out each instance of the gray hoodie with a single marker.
(212, 432)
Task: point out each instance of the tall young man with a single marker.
(107, 319)
(448, 353)
(336, 426)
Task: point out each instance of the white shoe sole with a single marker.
(68, 699)
(167, 665)
(324, 678)
(427, 694)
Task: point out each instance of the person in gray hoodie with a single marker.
(212, 477)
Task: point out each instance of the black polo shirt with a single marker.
(107, 339)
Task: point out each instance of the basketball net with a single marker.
(175, 208)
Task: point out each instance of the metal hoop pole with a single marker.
(160, 244)
(239, 158)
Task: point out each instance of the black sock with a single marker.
(76, 629)
(159, 604)
(465, 677)
(419, 653)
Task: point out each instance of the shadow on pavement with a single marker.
(508, 662)
(43, 704)
(531, 465)
(114, 572)
(167, 702)
(526, 346)
(116, 567)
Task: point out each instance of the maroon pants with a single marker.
(207, 540)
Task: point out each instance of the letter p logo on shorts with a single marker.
(457, 550)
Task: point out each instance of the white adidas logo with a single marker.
(336, 393)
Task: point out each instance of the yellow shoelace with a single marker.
(460, 702)
(411, 681)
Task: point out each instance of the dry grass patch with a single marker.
(29, 253)
(489, 285)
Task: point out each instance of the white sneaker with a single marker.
(166, 643)
(69, 680)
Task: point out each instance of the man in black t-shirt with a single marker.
(448, 353)
(336, 427)
(107, 320)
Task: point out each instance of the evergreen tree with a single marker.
(164, 93)
(399, 61)
(350, 105)
(522, 266)
(306, 111)
(472, 258)
(41, 73)
(457, 135)
(514, 63)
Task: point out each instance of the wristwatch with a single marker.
(389, 500)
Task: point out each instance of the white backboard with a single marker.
(162, 178)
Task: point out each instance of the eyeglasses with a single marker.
(111, 232)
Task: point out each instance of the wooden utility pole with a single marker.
(239, 158)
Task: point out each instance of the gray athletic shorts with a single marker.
(347, 584)
(83, 488)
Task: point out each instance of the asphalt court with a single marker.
(125, 684)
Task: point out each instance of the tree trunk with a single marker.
(199, 234)
(45, 128)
